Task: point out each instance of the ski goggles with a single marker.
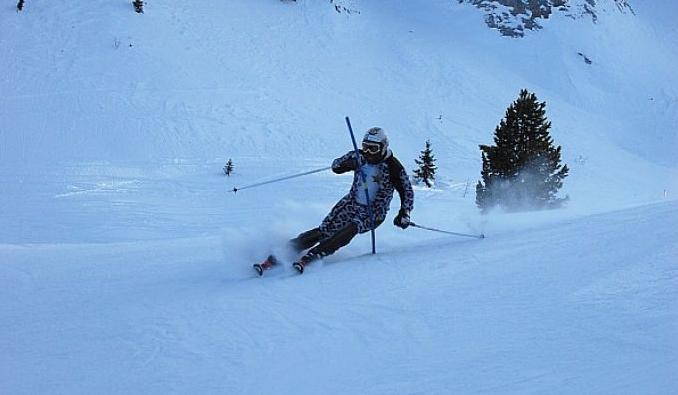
(371, 148)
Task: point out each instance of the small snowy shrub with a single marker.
(138, 6)
(228, 169)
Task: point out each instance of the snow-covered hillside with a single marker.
(125, 262)
(578, 306)
(100, 101)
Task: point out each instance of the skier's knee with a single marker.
(336, 241)
(306, 239)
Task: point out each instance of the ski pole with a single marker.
(480, 236)
(364, 178)
(235, 189)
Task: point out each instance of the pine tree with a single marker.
(522, 170)
(138, 6)
(228, 169)
(20, 5)
(427, 169)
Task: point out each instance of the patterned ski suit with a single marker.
(383, 179)
(350, 215)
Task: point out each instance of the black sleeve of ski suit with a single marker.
(401, 182)
(345, 163)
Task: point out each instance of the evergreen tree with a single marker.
(228, 169)
(138, 6)
(427, 169)
(522, 170)
(20, 5)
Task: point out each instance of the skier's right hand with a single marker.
(346, 163)
(402, 220)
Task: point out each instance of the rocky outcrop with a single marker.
(513, 17)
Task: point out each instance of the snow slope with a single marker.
(125, 260)
(585, 305)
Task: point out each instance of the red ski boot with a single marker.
(260, 268)
(305, 260)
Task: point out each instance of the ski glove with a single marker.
(402, 220)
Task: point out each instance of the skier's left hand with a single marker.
(402, 220)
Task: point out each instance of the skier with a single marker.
(350, 216)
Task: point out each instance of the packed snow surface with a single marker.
(125, 259)
(577, 306)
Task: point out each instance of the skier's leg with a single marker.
(330, 245)
(306, 240)
(336, 230)
(326, 229)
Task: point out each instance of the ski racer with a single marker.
(350, 216)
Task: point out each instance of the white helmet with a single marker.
(375, 145)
